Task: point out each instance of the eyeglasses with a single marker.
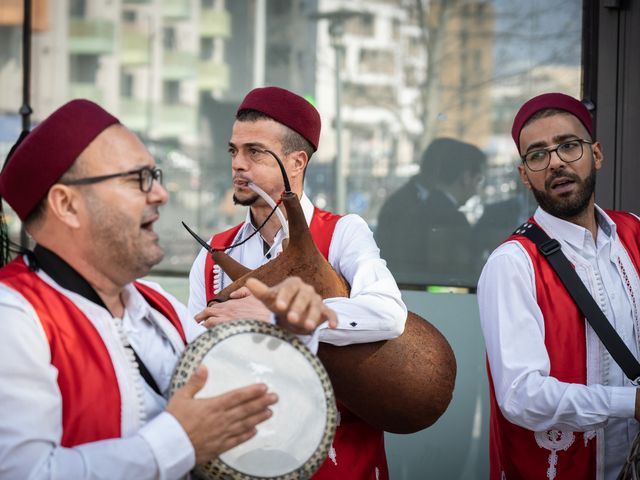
(146, 176)
(568, 152)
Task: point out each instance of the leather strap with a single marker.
(550, 248)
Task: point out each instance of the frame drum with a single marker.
(294, 442)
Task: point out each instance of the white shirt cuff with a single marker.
(623, 402)
(310, 341)
(170, 445)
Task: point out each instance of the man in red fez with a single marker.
(270, 121)
(87, 350)
(561, 407)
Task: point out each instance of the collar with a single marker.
(248, 228)
(64, 275)
(573, 234)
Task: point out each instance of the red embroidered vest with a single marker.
(358, 448)
(91, 404)
(513, 449)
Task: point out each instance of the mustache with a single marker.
(561, 174)
(151, 213)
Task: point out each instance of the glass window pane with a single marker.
(428, 92)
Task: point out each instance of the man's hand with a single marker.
(241, 304)
(217, 424)
(296, 304)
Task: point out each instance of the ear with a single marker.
(64, 204)
(598, 157)
(522, 171)
(298, 162)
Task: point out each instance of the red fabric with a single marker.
(158, 301)
(513, 449)
(48, 151)
(550, 100)
(286, 108)
(359, 447)
(91, 404)
(221, 240)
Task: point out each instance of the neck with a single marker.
(261, 211)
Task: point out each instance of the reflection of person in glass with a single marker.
(88, 351)
(280, 121)
(421, 231)
(560, 405)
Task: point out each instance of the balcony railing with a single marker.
(213, 76)
(178, 65)
(86, 90)
(91, 36)
(215, 23)
(159, 120)
(134, 47)
(176, 8)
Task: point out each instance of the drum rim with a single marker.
(195, 352)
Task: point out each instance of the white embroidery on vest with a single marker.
(333, 456)
(217, 279)
(588, 435)
(377, 473)
(554, 440)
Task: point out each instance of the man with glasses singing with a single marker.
(561, 407)
(87, 351)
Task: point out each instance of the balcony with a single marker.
(89, 91)
(213, 76)
(160, 120)
(175, 120)
(135, 113)
(134, 47)
(176, 8)
(215, 23)
(178, 65)
(91, 36)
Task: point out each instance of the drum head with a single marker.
(294, 442)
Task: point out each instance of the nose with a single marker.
(239, 162)
(158, 194)
(555, 161)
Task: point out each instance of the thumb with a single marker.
(195, 382)
(259, 289)
(240, 293)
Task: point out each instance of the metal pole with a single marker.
(259, 43)
(25, 109)
(340, 180)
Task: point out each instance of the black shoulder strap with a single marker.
(551, 250)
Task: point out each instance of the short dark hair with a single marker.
(446, 159)
(550, 112)
(291, 141)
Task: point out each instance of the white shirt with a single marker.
(375, 310)
(514, 332)
(154, 445)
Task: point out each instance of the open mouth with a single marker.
(148, 225)
(562, 185)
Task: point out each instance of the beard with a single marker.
(246, 202)
(120, 243)
(571, 205)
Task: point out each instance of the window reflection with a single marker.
(412, 72)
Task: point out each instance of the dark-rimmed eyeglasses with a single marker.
(146, 176)
(569, 151)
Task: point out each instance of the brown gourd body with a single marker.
(401, 385)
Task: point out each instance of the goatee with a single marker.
(247, 202)
(573, 204)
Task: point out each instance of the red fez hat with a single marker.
(48, 151)
(559, 101)
(286, 108)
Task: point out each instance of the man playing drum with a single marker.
(561, 407)
(278, 120)
(88, 351)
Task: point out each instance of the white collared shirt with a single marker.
(375, 310)
(514, 331)
(153, 444)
